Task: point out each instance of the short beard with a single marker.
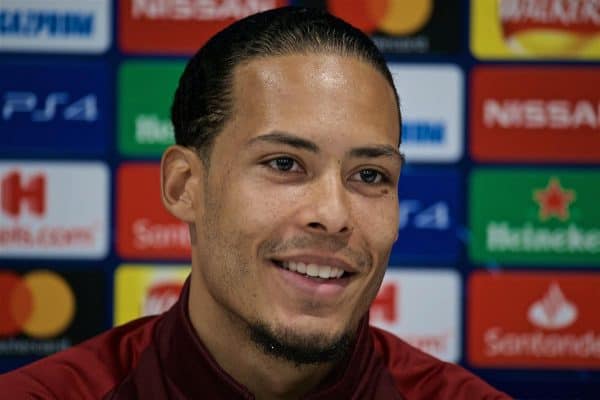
(299, 350)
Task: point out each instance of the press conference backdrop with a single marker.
(496, 266)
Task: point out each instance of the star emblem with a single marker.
(554, 200)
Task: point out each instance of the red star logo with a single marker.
(554, 201)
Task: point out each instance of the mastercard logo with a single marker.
(39, 304)
(393, 17)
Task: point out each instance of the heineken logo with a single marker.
(535, 217)
(151, 129)
(554, 200)
(500, 236)
(144, 126)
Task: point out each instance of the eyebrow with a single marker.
(289, 139)
(377, 151)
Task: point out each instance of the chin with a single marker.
(301, 345)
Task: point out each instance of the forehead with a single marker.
(311, 94)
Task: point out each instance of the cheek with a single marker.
(260, 208)
(379, 223)
(363, 302)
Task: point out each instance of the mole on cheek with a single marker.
(384, 191)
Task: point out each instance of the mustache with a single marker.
(331, 244)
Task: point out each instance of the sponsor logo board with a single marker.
(144, 124)
(180, 26)
(548, 320)
(531, 216)
(537, 115)
(432, 127)
(559, 29)
(429, 204)
(421, 307)
(53, 209)
(142, 290)
(401, 26)
(145, 229)
(70, 26)
(54, 109)
(43, 311)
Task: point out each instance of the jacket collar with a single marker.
(194, 373)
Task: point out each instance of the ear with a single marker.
(181, 173)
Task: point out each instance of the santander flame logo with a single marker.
(553, 311)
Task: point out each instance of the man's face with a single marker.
(300, 205)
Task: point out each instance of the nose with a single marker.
(328, 208)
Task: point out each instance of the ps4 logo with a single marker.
(434, 217)
(55, 105)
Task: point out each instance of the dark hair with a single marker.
(203, 100)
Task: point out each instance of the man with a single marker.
(286, 170)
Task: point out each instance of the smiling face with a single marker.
(300, 207)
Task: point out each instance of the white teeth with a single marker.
(314, 270)
(324, 272)
(300, 267)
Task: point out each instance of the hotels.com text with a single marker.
(49, 236)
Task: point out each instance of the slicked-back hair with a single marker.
(203, 100)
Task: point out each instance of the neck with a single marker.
(266, 376)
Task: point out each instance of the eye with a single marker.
(284, 164)
(370, 176)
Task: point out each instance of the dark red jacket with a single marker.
(162, 358)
